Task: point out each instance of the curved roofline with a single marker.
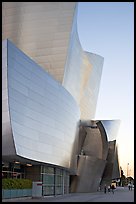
(93, 54)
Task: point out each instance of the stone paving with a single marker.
(120, 195)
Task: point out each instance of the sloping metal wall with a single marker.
(111, 170)
(44, 117)
(8, 147)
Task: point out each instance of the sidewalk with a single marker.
(120, 195)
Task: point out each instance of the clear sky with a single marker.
(107, 29)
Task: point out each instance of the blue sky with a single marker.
(107, 29)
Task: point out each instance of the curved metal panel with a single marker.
(93, 143)
(111, 170)
(111, 127)
(7, 139)
(104, 140)
(89, 174)
(44, 116)
(112, 167)
(82, 74)
(91, 157)
(41, 30)
(44, 113)
(47, 32)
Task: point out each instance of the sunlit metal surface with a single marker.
(47, 32)
(82, 74)
(85, 79)
(40, 29)
(6, 125)
(40, 116)
(43, 115)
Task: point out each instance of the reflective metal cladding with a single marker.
(93, 159)
(82, 74)
(50, 87)
(47, 33)
(42, 115)
(111, 127)
(40, 29)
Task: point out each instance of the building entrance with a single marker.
(55, 181)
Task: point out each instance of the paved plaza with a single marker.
(120, 195)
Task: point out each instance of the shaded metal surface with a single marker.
(44, 116)
(111, 170)
(111, 127)
(90, 169)
(97, 158)
(116, 166)
(104, 140)
(90, 157)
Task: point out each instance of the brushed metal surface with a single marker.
(40, 29)
(47, 33)
(44, 116)
(82, 74)
(8, 147)
(112, 168)
(96, 159)
(41, 116)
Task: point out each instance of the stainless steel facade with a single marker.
(7, 137)
(49, 98)
(42, 116)
(91, 161)
(111, 171)
(47, 33)
(111, 127)
(40, 29)
(82, 74)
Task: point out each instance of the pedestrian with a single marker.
(129, 186)
(105, 188)
(108, 188)
(112, 187)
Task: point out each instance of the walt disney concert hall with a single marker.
(50, 88)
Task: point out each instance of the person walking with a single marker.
(105, 188)
(129, 186)
(112, 188)
(109, 189)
